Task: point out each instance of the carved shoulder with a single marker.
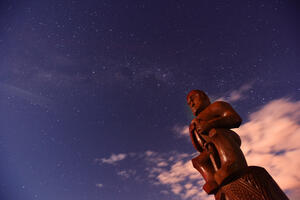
(219, 108)
(224, 109)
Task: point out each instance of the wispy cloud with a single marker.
(177, 175)
(181, 131)
(12, 91)
(113, 159)
(99, 185)
(173, 171)
(127, 173)
(238, 94)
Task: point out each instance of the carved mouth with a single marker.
(196, 111)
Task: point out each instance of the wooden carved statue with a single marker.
(221, 162)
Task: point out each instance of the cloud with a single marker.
(181, 179)
(181, 131)
(99, 185)
(271, 139)
(126, 173)
(16, 92)
(175, 173)
(238, 94)
(113, 159)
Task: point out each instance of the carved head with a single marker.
(198, 101)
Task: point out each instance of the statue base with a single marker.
(253, 183)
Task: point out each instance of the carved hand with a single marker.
(202, 127)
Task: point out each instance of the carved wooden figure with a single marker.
(221, 162)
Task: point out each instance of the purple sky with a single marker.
(93, 94)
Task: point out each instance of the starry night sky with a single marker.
(83, 80)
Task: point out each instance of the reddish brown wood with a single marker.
(253, 183)
(221, 162)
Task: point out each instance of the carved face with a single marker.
(198, 101)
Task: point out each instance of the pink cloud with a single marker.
(238, 94)
(271, 139)
(181, 131)
(113, 159)
(177, 174)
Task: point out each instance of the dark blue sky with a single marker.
(82, 80)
